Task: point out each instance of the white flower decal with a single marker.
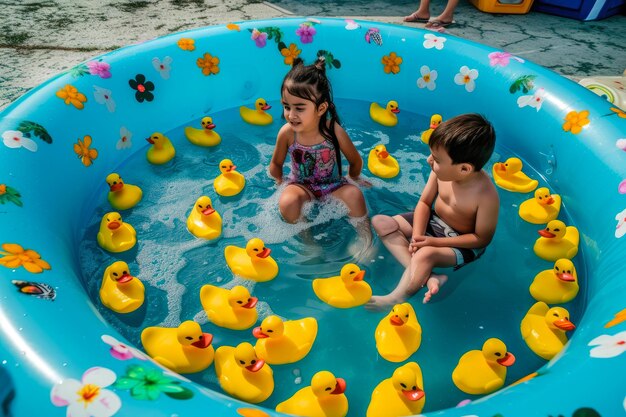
(620, 229)
(120, 350)
(466, 77)
(87, 398)
(125, 141)
(103, 96)
(621, 143)
(16, 139)
(427, 79)
(534, 100)
(608, 346)
(163, 67)
(433, 41)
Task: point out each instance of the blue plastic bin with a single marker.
(580, 9)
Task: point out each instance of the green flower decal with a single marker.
(149, 383)
(524, 83)
(32, 128)
(9, 195)
(330, 59)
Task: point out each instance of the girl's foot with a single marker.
(434, 283)
(416, 18)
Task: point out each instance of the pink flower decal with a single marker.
(101, 69)
(120, 350)
(306, 32)
(260, 38)
(502, 59)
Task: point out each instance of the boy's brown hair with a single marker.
(468, 138)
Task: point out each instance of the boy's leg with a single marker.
(393, 232)
(291, 201)
(417, 275)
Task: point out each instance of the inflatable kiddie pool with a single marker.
(63, 138)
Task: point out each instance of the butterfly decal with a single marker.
(37, 289)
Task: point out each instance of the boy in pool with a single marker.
(454, 219)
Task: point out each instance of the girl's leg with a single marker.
(393, 232)
(416, 276)
(352, 196)
(291, 201)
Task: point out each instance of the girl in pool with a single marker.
(315, 140)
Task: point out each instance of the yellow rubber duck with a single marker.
(401, 395)
(543, 329)
(323, 398)
(509, 176)
(185, 349)
(399, 334)
(231, 308)
(205, 136)
(557, 285)
(385, 116)
(115, 235)
(557, 241)
(483, 371)
(203, 221)
(161, 151)
(242, 374)
(229, 182)
(542, 208)
(120, 291)
(254, 262)
(435, 121)
(122, 196)
(381, 164)
(344, 291)
(281, 342)
(257, 116)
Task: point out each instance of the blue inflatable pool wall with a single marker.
(63, 138)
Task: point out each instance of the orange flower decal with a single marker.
(392, 63)
(290, 53)
(16, 256)
(186, 44)
(574, 121)
(208, 64)
(71, 95)
(621, 113)
(85, 154)
(619, 318)
(233, 26)
(3, 189)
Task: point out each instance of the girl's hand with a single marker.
(360, 181)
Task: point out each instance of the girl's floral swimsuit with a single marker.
(315, 167)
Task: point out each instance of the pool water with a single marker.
(487, 298)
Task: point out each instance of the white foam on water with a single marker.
(174, 202)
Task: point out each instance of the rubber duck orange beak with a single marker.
(546, 234)
(566, 277)
(508, 360)
(210, 126)
(396, 321)
(266, 107)
(549, 201)
(340, 387)
(383, 154)
(150, 140)
(359, 276)
(255, 367)
(500, 167)
(207, 211)
(117, 187)
(265, 253)
(414, 394)
(124, 278)
(204, 342)
(251, 302)
(396, 110)
(434, 125)
(232, 168)
(565, 324)
(114, 225)
(258, 333)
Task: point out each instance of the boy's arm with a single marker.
(280, 153)
(350, 152)
(423, 206)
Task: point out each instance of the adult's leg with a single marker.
(447, 16)
(291, 201)
(421, 14)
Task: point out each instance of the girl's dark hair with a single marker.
(468, 138)
(310, 82)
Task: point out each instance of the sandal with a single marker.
(414, 18)
(437, 24)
